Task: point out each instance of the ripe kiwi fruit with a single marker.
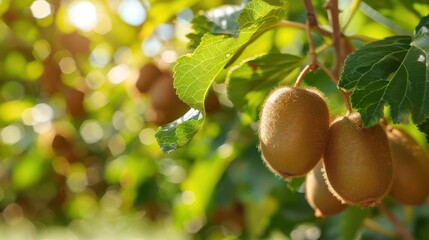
(164, 101)
(318, 195)
(163, 95)
(63, 146)
(74, 101)
(50, 81)
(411, 168)
(149, 73)
(357, 161)
(211, 103)
(75, 43)
(293, 130)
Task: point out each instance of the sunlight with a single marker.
(40, 9)
(132, 12)
(11, 134)
(83, 15)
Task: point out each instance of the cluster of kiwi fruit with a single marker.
(165, 104)
(344, 163)
(51, 84)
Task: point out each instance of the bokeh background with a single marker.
(78, 154)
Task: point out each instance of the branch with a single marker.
(311, 23)
(374, 226)
(332, 7)
(398, 227)
(335, 80)
(336, 37)
(302, 75)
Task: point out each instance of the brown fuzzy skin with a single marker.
(411, 173)
(293, 130)
(74, 100)
(149, 73)
(318, 195)
(50, 81)
(166, 104)
(357, 162)
(163, 95)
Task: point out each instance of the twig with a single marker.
(287, 23)
(311, 47)
(332, 7)
(374, 226)
(311, 23)
(335, 80)
(302, 75)
(323, 32)
(312, 19)
(362, 38)
(335, 35)
(311, 14)
(397, 226)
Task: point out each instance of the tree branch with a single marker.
(397, 226)
(332, 7)
(335, 80)
(302, 75)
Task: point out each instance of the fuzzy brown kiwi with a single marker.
(211, 103)
(149, 73)
(163, 95)
(293, 130)
(50, 81)
(63, 146)
(357, 162)
(165, 103)
(318, 195)
(74, 101)
(75, 43)
(411, 172)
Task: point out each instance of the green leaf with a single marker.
(295, 184)
(221, 20)
(394, 72)
(251, 81)
(178, 133)
(423, 26)
(194, 73)
(424, 128)
(351, 222)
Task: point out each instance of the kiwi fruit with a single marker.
(75, 43)
(149, 73)
(357, 162)
(318, 195)
(293, 130)
(411, 168)
(50, 81)
(63, 146)
(164, 101)
(74, 101)
(211, 103)
(163, 95)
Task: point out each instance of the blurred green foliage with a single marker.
(78, 155)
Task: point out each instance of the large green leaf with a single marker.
(394, 72)
(251, 81)
(194, 73)
(178, 133)
(221, 20)
(424, 127)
